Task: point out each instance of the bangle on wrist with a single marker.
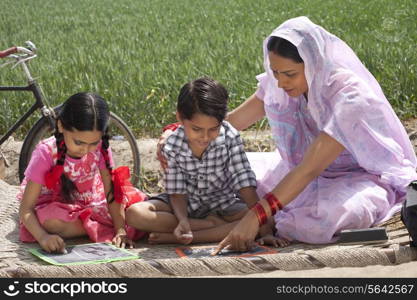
(260, 213)
(273, 202)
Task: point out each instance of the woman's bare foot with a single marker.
(273, 241)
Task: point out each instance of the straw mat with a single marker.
(158, 261)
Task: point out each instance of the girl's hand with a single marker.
(121, 240)
(183, 232)
(242, 236)
(159, 146)
(272, 240)
(52, 243)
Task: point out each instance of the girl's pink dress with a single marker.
(90, 205)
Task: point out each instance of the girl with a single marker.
(69, 187)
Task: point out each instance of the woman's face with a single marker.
(290, 75)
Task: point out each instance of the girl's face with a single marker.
(79, 143)
(200, 131)
(290, 75)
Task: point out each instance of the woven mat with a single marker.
(162, 261)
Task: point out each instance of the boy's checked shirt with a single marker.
(214, 180)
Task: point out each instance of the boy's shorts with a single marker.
(204, 211)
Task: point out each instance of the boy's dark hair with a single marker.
(284, 48)
(83, 112)
(203, 95)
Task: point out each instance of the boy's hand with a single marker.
(52, 243)
(272, 240)
(183, 232)
(121, 240)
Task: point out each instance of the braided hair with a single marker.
(82, 112)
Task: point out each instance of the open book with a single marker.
(85, 254)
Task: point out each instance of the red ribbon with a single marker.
(52, 177)
(124, 188)
(171, 127)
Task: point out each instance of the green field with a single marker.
(137, 54)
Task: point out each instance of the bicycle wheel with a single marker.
(122, 142)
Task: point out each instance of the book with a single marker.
(365, 235)
(85, 254)
(205, 251)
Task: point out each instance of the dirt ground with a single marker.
(255, 141)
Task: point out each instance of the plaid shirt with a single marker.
(214, 180)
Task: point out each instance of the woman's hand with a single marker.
(52, 243)
(121, 240)
(183, 232)
(159, 146)
(242, 236)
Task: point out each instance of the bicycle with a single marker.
(45, 125)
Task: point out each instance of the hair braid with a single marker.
(105, 144)
(67, 186)
(61, 148)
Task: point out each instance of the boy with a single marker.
(209, 182)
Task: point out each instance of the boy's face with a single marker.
(200, 131)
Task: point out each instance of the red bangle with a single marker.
(273, 202)
(172, 127)
(260, 213)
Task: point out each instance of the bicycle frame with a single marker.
(46, 123)
(32, 86)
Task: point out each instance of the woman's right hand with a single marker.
(52, 243)
(160, 145)
(242, 236)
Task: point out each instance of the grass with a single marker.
(137, 54)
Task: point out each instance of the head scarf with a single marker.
(345, 101)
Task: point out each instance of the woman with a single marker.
(344, 159)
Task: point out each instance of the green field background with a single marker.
(137, 54)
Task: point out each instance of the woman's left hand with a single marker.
(121, 240)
